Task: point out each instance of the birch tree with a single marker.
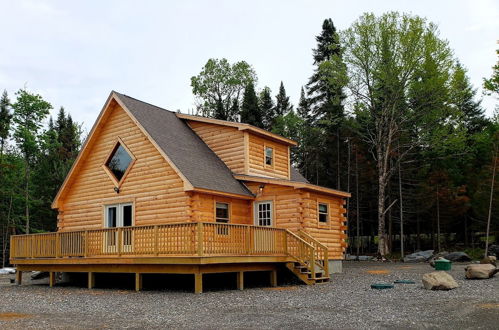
(382, 55)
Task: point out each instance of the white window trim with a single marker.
(119, 214)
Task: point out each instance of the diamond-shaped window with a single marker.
(119, 161)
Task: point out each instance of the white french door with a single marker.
(118, 215)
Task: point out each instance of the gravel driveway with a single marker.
(346, 302)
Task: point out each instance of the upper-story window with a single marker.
(119, 161)
(269, 156)
(323, 212)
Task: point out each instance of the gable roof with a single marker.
(241, 127)
(184, 148)
(296, 176)
(198, 166)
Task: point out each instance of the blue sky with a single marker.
(75, 52)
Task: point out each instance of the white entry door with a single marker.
(264, 238)
(119, 215)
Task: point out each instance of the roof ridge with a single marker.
(136, 99)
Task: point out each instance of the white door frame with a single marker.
(110, 242)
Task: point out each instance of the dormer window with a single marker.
(118, 163)
(269, 156)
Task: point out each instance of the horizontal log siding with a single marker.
(155, 188)
(203, 208)
(297, 209)
(331, 234)
(257, 161)
(226, 142)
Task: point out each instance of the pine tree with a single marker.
(325, 92)
(283, 105)
(267, 108)
(463, 99)
(303, 109)
(5, 120)
(250, 111)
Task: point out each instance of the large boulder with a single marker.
(480, 271)
(489, 260)
(439, 280)
(420, 256)
(457, 256)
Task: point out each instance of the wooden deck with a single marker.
(181, 248)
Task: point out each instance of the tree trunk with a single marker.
(490, 203)
(438, 220)
(26, 194)
(382, 241)
(401, 214)
(357, 199)
(338, 183)
(6, 236)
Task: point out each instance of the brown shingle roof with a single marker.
(194, 159)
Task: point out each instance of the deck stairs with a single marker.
(315, 269)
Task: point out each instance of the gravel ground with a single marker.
(347, 302)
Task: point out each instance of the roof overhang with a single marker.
(241, 127)
(294, 184)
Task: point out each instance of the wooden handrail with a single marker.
(192, 238)
(321, 251)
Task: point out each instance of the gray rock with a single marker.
(457, 256)
(420, 256)
(439, 280)
(480, 271)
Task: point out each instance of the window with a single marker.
(222, 216)
(119, 161)
(323, 213)
(222, 212)
(269, 156)
(263, 213)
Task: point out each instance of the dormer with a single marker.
(244, 148)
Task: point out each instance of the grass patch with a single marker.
(476, 253)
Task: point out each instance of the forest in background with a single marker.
(388, 114)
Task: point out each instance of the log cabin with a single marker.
(154, 191)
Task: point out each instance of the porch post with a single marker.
(240, 280)
(19, 277)
(51, 279)
(273, 278)
(91, 280)
(138, 282)
(198, 283)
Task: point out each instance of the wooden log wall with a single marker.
(203, 208)
(257, 158)
(296, 209)
(152, 185)
(226, 142)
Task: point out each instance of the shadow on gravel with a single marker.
(178, 282)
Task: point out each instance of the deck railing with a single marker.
(178, 239)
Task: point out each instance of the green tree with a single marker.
(462, 97)
(283, 105)
(267, 108)
(250, 111)
(29, 111)
(217, 86)
(382, 55)
(491, 85)
(5, 121)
